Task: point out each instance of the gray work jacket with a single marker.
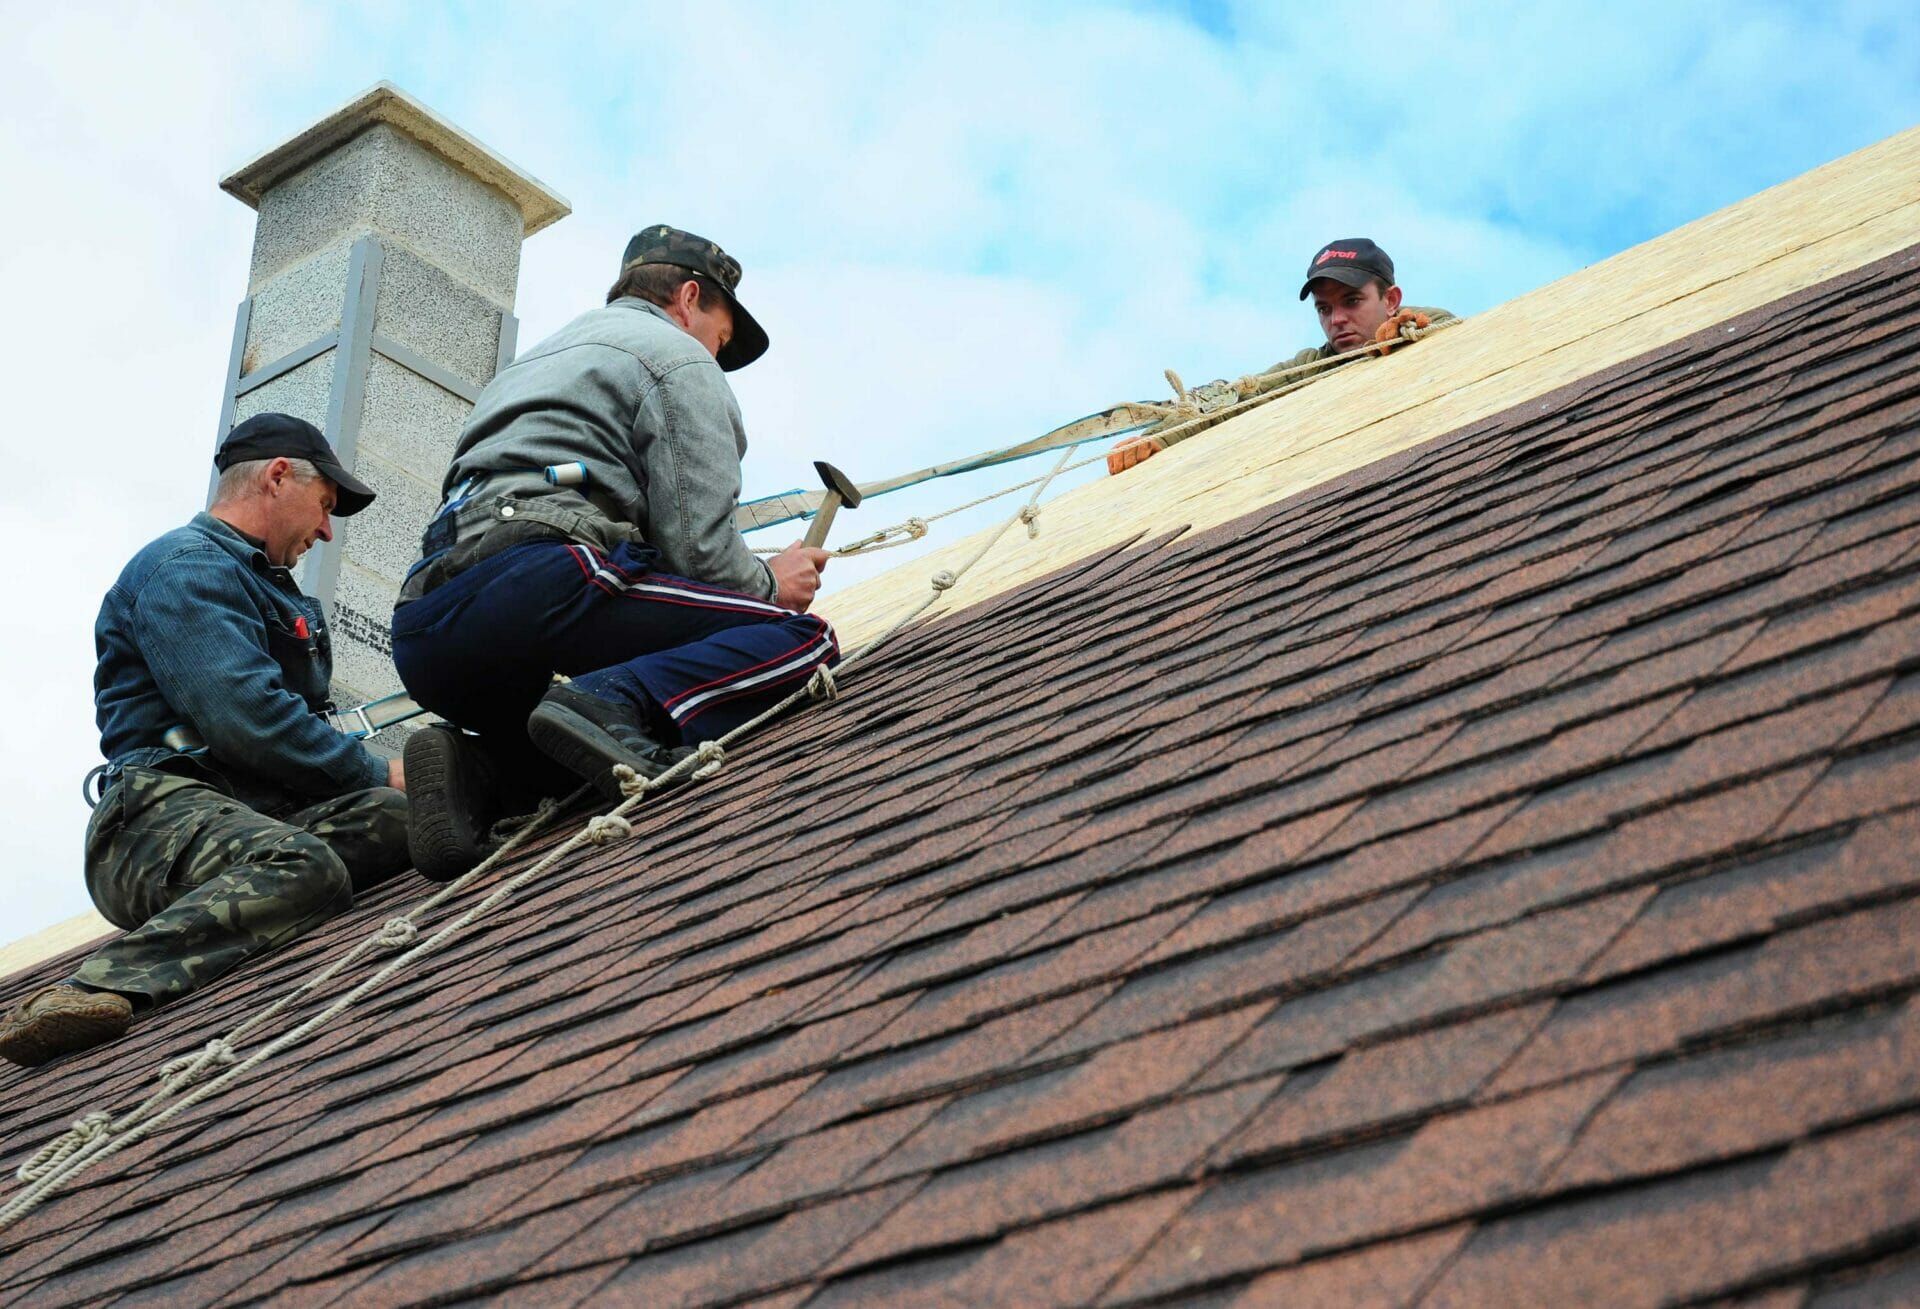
(625, 391)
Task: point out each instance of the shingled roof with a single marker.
(1485, 877)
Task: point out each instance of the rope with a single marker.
(189, 1066)
(605, 829)
(1191, 411)
(97, 1135)
(84, 1132)
(396, 934)
(505, 829)
(712, 756)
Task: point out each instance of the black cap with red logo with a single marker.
(1352, 261)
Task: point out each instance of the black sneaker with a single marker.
(452, 801)
(588, 736)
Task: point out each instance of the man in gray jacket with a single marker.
(586, 529)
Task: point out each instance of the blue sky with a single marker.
(961, 224)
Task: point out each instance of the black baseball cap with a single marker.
(275, 436)
(661, 244)
(1351, 261)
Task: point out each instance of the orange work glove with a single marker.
(1133, 450)
(1390, 330)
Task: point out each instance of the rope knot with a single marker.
(506, 829)
(942, 580)
(821, 685)
(916, 528)
(605, 829)
(1030, 515)
(396, 934)
(712, 756)
(631, 783)
(84, 1132)
(216, 1051)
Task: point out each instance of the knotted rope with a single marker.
(84, 1132)
(712, 756)
(605, 829)
(396, 934)
(183, 1082)
(189, 1066)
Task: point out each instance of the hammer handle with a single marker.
(822, 522)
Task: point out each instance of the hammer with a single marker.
(840, 490)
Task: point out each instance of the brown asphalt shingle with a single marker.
(1485, 878)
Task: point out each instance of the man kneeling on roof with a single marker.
(587, 530)
(234, 817)
(1351, 282)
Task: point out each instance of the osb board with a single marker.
(50, 941)
(1822, 223)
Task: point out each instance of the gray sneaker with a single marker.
(588, 736)
(60, 1019)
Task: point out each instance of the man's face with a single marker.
(708, 320)
(299, 514)
(1350, 315)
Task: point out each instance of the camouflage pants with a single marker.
(202, 881)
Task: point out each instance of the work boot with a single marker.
(60, 1019)
(588, 736)
(452, 801)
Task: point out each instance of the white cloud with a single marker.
(961, 224)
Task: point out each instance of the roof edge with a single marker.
(1825, 222)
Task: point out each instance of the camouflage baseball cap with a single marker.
(661, 244)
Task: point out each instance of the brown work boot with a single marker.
(60, 1019)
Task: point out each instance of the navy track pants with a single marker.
(481, 649)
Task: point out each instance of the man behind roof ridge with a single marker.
(587, 529)
(1358, 303)
(234, 817)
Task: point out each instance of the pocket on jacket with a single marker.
(302, 659)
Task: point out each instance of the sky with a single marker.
(961, 225)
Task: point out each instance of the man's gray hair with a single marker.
(239, 480)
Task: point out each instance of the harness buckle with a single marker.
(342, 721)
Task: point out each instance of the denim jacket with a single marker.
(622, 390)
(201, 631)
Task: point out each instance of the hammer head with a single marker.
(838, 483)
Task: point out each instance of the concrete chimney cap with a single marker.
(386, 103)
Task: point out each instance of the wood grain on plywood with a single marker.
(1820, 224)
(69, 934)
